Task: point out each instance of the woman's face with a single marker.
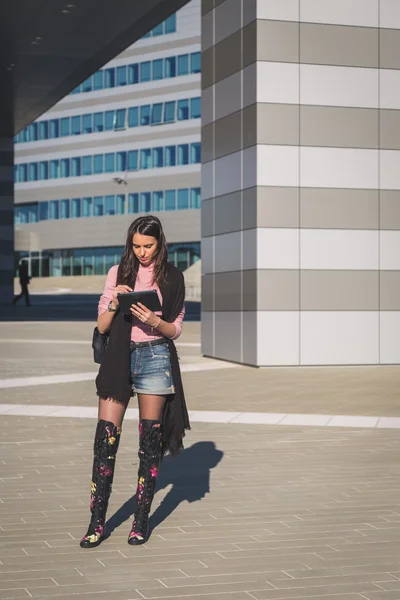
(144, 248)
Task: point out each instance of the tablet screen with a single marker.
(148, 298)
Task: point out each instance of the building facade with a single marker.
(125, 142)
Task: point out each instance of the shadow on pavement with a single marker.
(189, 475)
(68, 307)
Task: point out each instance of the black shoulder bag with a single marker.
(99, 345)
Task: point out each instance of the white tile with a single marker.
(388, 423)
(228, 338)
(279, 10)
(339, 86)
(207, 105)
(277, 82)
(339, 338)
(278, 165)
(390, 14)
(278, 248)
(390, 169)
(390, 250)
(228, 96)
(228, 174)
(278, 338)
(311, 420)
(82, 412)
(228, 19)
(207, 333)
(254, 418)
(212, 416)
(339, 168)
(350, 421)
(249, 346)
(207, 255)
(339, 249)
(364, 13)
(5, 407)
(389, 88)
(250, 86)
(250, 167)
(207, 180)
(389, 337)
(228, 255)
(31, 410)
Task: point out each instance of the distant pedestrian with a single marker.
(24, 280)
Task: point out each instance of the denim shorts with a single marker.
(151, 370)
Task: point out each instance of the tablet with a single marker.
(149, 298)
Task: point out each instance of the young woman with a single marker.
(140, 358)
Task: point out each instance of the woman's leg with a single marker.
(150, 452)
(106, 442)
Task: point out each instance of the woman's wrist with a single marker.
(156, 324)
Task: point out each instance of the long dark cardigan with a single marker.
(114, 378)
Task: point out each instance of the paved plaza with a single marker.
(288, 486)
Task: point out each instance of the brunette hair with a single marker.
(129, 265)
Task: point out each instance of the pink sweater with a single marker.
(144, 281)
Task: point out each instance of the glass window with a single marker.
(64, 167)
(133, 203)
(43, 130)
(195, 110)
(120, 118)
(15, 173)
(53, 209)
(43, 211)
(133, 160)
(110, 205)
(183, 64)
(99, 265)
(87, 166)
(33, 213)
(76, 90)
(64, 127)
(87, 123)
(195, 153)
(170, 200)
(121, 161)
(53, 129)
(183, 199)
(75, 208)
(121, 75)
(76, 166)
(158, 69)
(158, 157)
(195, 198)
(43, 170)
(98, 206)
(145, 71)
(33, 132)
(145, 158)
(64, 209)
(76, 125)
(156, 113)
(98, 121)
(170, 66)
(145, 202)
(169, 112)
(157, 30)
(98, 164)
(98, 80)
(146, 35)
(158, 201)
(183, 110)
(195, 62)
(145, 114)
(77, 265)
(183, 154)
(87, 206)
(109, 120)
(24, 135)
(120, 204)
(133, 117)
(109, 78)
(170, 156)
(133, 73)
(33, 172)
(110, 162)
(87, 85)
(54, 169)
(170, 24)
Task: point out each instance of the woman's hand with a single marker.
(145, 315)
(119, 289)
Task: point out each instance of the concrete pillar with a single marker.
(301, 181)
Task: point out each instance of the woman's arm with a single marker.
(109, 297)
(169, 330)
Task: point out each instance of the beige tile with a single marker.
(207, 68)
(339, 127)
(278, 41)
(389, 49)
(338, 45)
(249, 44)
(207, 143)
(228, 213)
(277, 207)
(207, 292)
(206, 6)
(278, 124)
(228, 56)
(228, 291)
(390, 129)
(250, 126)
(339, 290)
(278, 290)
(390, 209)
(390, 290)
(228, 134)
(207, 217)
(339, 208)
(250, 208)
(228, 19)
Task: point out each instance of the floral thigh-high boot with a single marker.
(106, 444)
(150, 451)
